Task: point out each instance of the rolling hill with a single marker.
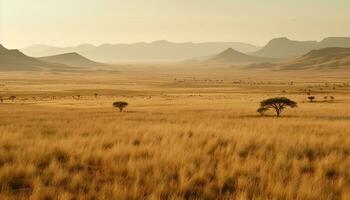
(232, 56)
(158, 50)
(42, 50)
(286, 48)
(14, 60)
(71, 59)
(331, 58)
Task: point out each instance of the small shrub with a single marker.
(311, 98)
(120, 105)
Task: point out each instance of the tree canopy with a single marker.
(121, 105)
(278, 104)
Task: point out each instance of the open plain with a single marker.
(186, 134)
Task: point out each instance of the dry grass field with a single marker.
(185, 135)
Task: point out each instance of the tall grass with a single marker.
(191, 152)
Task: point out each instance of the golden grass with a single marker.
(172, 143)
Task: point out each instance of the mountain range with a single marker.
(286, 48)
(164, 50)
(278, 54)
(321, 59)
(71, 59)
(14, 60)
(233, 56)
(158, 50)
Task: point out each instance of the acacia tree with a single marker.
(262, 110)
(278, 104)
(311, 98)
(121, 105)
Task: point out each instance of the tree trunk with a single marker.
(278, 113)
(121, 109)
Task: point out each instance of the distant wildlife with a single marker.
(278, 104)
(12, 98)
(120, 105)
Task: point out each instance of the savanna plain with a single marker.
(186, 134)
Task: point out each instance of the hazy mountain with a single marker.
(335, 42)
(286, 48)
(158, 50)
(232, 56)
(71, 59)
(327, 58)
(46, 50)
(14, 60)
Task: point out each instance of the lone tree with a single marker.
(278, 104)
(262, 110)
(121, 105)
(12, 98)
(311, 98)
(96, 95)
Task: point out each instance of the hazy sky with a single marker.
(72, 22)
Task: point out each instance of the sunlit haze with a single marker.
(73, 22)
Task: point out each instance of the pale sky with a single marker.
(73, 22)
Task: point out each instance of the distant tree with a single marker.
(96, 95)
(121, 105)
(12, 98)
(278, 104)
(311, 98)
(1, 99)
(262, 110)
(325, 98)
(332, 98)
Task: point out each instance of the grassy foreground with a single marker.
(174, 146)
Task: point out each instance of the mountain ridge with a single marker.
(233, 56)
(283, 47)
(157, 50)
(71, 59)
(14, 60)
(329, 58)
